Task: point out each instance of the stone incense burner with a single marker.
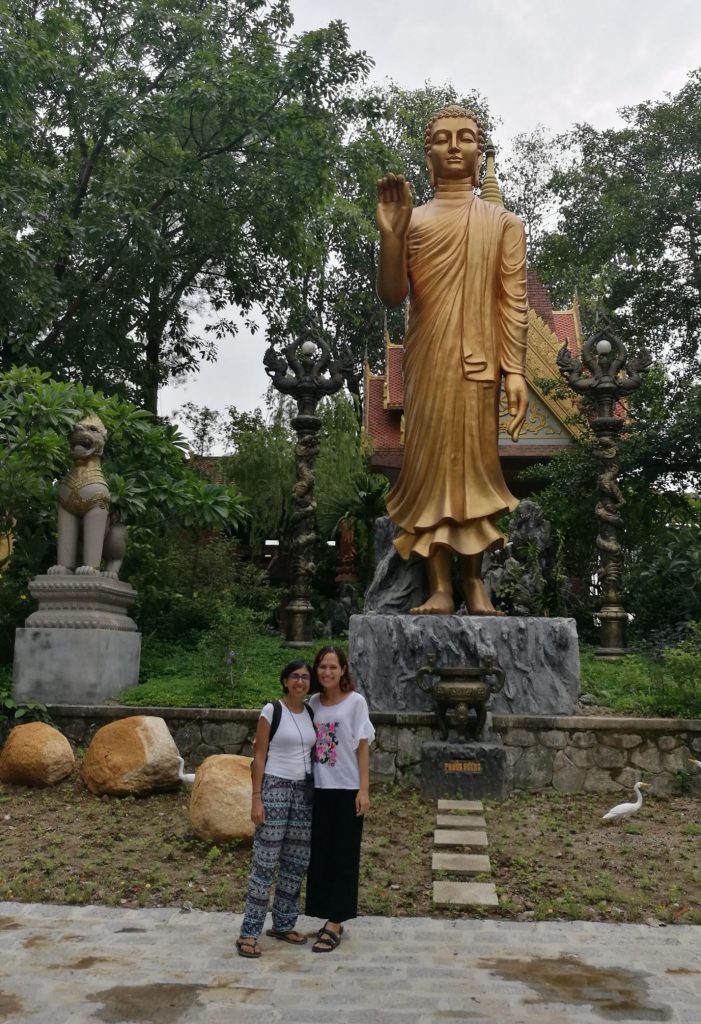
(459, 690)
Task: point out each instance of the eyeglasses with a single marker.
(300, 677)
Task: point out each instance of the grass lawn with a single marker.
(180, 678)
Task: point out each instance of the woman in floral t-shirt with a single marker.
(341, 796)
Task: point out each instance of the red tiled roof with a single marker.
(565, 328)
(395, 376)
(382, 426)
(539, 300)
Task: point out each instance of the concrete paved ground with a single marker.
(96, 964)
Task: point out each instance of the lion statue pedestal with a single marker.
(80, 646)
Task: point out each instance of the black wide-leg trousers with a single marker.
(334, 866)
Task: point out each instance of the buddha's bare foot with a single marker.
(87, 570)
(476, 598)
(59, 570)
(439, 603)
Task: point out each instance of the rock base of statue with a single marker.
(80, 646)
(466, 771)
(539, 658)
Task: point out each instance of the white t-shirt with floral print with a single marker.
(339, 729)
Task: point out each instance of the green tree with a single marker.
(525, 175)
(158, 159)
(337, 280)
(262, 466)
(629, 232)
(152, 484)
(660, 470)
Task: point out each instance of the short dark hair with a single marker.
(294, 666)
(347, 683)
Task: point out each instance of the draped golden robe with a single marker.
(468, 324)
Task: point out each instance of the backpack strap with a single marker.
(277, 715)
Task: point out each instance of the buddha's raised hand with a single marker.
(394, 205)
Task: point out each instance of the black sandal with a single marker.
(326, 940)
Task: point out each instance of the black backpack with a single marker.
(277, 715)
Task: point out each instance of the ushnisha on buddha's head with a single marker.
(454, 144)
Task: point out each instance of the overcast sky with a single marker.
(550, 62)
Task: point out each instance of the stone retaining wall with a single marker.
(570, 754)
(583, 754)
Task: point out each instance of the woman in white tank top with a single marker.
(281, 809)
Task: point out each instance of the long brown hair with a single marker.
(346, 683)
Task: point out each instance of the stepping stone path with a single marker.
(460, 830)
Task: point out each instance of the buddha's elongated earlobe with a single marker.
(431, 175)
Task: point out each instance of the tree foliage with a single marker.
(157, 158)
(525, 178)
(660, 470)
(338, 281)
(629, 232)
(152, 484)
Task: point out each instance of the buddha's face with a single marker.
(454, 152)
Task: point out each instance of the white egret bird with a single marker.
(188, 777)
(623, 810)
(692, 760)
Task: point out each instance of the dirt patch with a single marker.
(614, 993)
(551, 856)
(9, 1005)
(161, 1003)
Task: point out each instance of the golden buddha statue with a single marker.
(462, 261)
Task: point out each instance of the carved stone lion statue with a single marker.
(87, 533)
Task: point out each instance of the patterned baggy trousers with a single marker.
(282, 842)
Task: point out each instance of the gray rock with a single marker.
(647, 758)
(567, 777)
(382, 765)
(397, 585)
(554, 738)
(534, 768)
(540, 659)
(226, 737)
(610, 757)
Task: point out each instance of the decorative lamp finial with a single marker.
(490, 192)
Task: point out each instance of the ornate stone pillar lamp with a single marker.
(307, 371)
(605, 374)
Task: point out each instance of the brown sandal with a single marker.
(248, 948)
(293, 937)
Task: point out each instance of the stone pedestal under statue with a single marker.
(80, 646)
(539, 658)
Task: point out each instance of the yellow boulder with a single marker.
(220, 805)
(36, 754)
(135, 755)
